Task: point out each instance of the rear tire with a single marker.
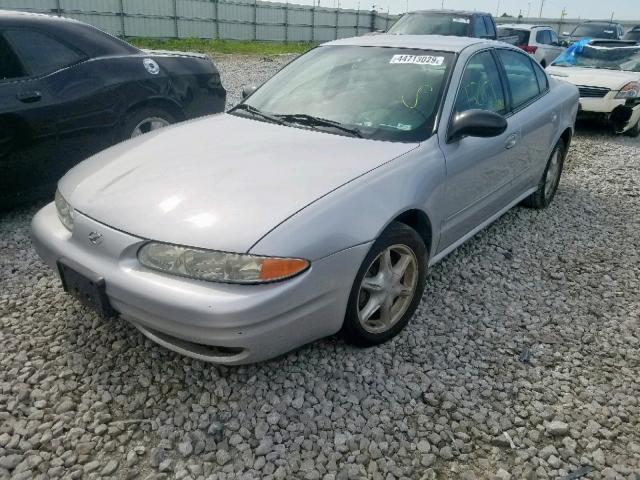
(387, 288)
(550, 180)
(145, 120)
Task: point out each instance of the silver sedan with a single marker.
(317, 204)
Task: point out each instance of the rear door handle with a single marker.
(512, 141)
(29, 97)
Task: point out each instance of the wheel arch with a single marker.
(420, 222)
(21, 127)
(163, 103)
(566, 137)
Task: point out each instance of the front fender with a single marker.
(360, 210)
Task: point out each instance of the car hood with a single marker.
(594, 77)
(221, 182)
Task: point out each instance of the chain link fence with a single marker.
(227, 19)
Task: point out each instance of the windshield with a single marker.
(372, 92)
(589, 56)
(523, 35)
(595, 31)
(431, 24)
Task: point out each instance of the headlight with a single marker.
(630, 90)
(215, 266)
(65, 211)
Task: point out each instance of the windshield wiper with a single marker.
(257, 112)
(312, 121)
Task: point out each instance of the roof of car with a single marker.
(522, 26)
(428, 42)
(91, 40)
(601, 22)
(446, 11)
(32, 17)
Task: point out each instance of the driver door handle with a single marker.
(29, 96)
(512, 141)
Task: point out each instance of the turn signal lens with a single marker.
(215, 266)
(277, 268)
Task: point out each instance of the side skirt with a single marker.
(436, 258)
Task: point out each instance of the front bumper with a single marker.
(620, 113)
(215, 322)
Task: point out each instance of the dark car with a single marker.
(633, 34)
(69, 90)
(595, 30)
(458, 23)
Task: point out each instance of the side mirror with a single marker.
(247, 91)
(476, 123)
(566, 34)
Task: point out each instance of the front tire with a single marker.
(634, 131)
(387, 288)
(145, 120)
(548, 184)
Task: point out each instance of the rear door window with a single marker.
(521, 76)
(10, 66)
(543, 82)
(41, 53)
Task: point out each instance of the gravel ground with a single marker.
(521, 362)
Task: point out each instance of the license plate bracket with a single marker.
(85, 285)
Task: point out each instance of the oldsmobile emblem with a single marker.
(95, 238)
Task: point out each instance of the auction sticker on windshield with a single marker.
(418, 59)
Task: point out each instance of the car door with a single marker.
(28, 130)
(81, 108)
(479, 170)
(555, 49)
(534, 111)
(547, 52)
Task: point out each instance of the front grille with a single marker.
(593, 92)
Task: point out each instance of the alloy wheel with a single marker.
(388, 287)
(148, 125)
(553, 175)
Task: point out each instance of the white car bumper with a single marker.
(617, 111)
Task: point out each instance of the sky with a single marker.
(591, 9)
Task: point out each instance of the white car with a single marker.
(607, 75)
(541, 41)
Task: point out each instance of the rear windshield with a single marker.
(432, 24)
(595, 31)
(523, 35)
